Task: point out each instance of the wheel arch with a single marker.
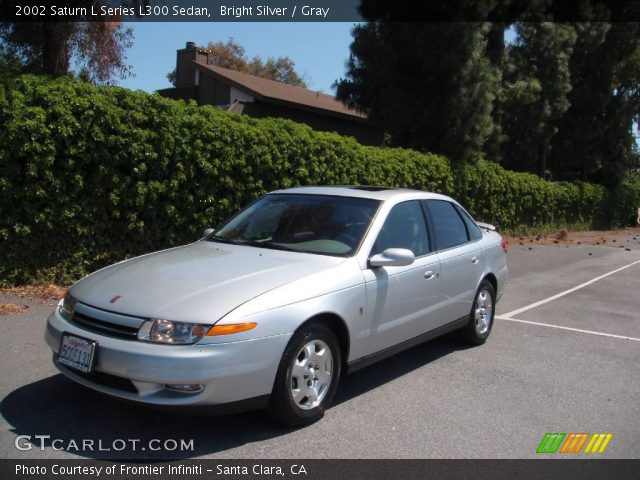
(492, 279)
(339, 328)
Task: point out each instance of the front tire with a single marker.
(482, 315)
(307, 377)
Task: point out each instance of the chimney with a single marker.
(185, 70)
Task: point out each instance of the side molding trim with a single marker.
(363, 362)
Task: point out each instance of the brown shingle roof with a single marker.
(281, 93)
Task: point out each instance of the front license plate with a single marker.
(77, 352)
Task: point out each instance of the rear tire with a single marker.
(307, 376)
(482, 315)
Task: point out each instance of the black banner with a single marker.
(546, 469)
(180, 10)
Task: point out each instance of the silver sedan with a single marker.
(270, 309)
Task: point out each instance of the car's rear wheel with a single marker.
(307, 377)
(482, 315)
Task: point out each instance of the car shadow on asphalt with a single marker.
(61, 409)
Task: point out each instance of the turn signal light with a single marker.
(229, 329)
(503, 244)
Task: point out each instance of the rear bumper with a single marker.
(228, 372)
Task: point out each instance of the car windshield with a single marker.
(321, 224)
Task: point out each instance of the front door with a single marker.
(402, 301)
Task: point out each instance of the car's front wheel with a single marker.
(307, 377)
(482, 314)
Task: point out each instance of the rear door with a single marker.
(459, 251)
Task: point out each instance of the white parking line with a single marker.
(518, 311)
(602, 334)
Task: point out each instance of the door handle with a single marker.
(429, 274)
(475, 260)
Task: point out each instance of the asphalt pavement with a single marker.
(563, 356)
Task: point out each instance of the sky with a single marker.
(319, 50)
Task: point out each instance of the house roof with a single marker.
(283, 94)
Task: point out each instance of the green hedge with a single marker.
(518, 202)
(91, 175)
(521, 202)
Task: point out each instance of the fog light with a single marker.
(191, 388)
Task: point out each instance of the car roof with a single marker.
(363, 191)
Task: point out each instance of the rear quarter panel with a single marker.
(494, 260)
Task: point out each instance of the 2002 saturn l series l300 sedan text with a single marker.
(270, 309)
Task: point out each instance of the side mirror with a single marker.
(208, 232)
(392, 257)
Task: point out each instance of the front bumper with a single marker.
(138, 371)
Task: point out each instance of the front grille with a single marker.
(104, 328)
(105, 379)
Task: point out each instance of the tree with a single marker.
(537, 84)
(97, 48)
(429, 85)
(626, 82)
(10, 66)
(232, 55)
(595, 139)
(281, 69)
(561, 101)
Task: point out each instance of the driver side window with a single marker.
(404, 227)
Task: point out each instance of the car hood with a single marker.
(200, 282)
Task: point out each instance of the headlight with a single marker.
(166, 331)
(67, 306)
(181, 333)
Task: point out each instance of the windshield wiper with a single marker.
(252, 243)
(216, 238)
(237, 241)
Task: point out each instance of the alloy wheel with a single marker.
(483, 312)
(311, 374)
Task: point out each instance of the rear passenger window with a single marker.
(449, 228)
(472, 227)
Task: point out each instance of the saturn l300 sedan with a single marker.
(274, 306)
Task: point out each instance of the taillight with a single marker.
(503, 244)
